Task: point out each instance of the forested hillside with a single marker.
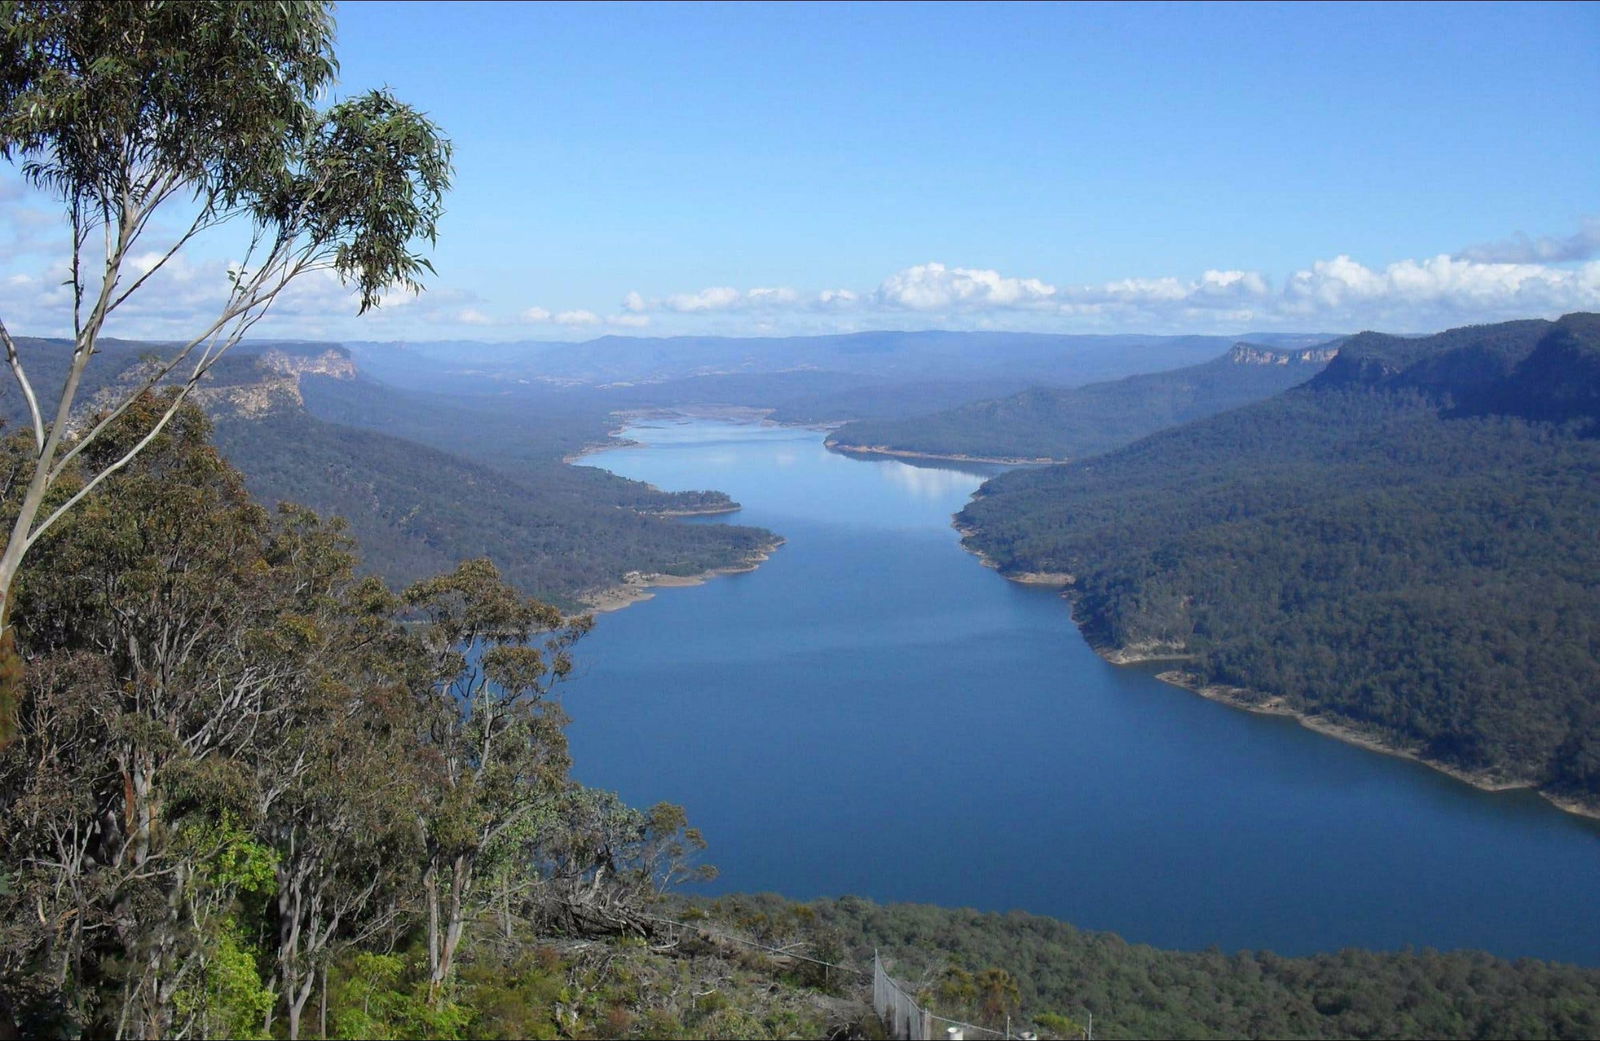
(1044, 423)
(1405, 546)
(432, 481)
(416, 510)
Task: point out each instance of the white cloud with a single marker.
(717, 298)
(935, 287)
(1518, 277)
(579, 318)
(1338, 293)
(771, 297)
(1447, 288)
(1583, 244)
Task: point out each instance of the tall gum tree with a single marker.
(141, 115)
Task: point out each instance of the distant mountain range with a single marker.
(1053, 424)
(1020, 359)
(1402, 550)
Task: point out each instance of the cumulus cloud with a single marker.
(713, 299)
(1518, 277)
(577, 318)
(1583, 244)
(1336, 293)
(186, 294)
(717, 298)
(935, 287)
(1445, 286)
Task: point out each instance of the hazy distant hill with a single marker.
(1405, 545)
(1050, 423)
(900, 357)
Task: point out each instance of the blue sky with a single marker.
(810, 168)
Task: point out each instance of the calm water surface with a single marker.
(874, 712)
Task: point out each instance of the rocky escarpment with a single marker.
(243, 386)
(333, 362)
(271, 384)
(1251, 354)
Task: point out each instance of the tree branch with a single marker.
(27, 388)
(199, 224)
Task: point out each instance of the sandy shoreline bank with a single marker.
(637, 586)
(1028, 578)
(1253, 701)
(906, 454)
(702, 511)
(1269, 705)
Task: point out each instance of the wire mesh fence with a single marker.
(901, 1014)
(908, 1020)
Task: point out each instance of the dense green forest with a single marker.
(1044, 423)
(416, 510)
(234, 771)
(1404, 545)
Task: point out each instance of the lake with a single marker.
(873, 712)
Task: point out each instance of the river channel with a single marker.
(873, 712)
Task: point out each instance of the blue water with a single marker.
(874, 712)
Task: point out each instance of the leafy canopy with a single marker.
(111, 105)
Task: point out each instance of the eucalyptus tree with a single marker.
(335, 785)
(168, 659)
(214, 764)
(497, 769)
(144, 117)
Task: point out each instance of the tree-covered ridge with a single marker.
(1052, 423)
(1393, 547)
(414, 501)
(1062, 974)
(416, 510)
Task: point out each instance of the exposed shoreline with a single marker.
(595, 447)
(958, 458)
(1271, 705)
(1268, 705)
(1058, 579)
(638, 587)
(698, 511)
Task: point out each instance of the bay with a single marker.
(873, 712)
